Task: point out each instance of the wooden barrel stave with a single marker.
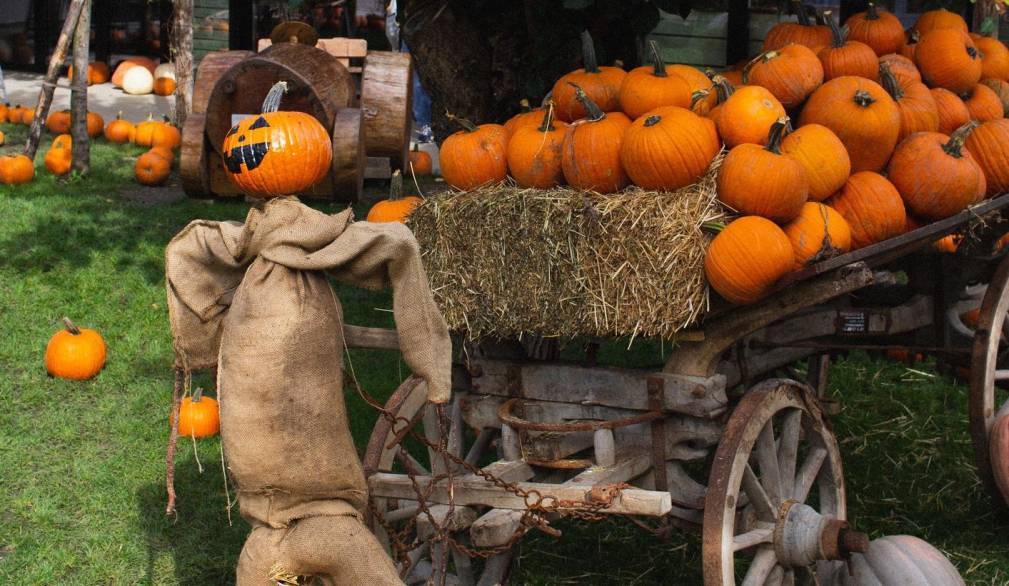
(212, 66)
(349, 158)
(193, 157)
(386, 101)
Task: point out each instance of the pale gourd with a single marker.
(165, 70)
(138, 81)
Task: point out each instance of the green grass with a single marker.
(82, 464)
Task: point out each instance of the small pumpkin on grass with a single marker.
(953, 113)
(27, 116)
(861, 114)
(879, 29)
(163, 152)
(747, 116)
(872, 207)
(199, 416)
(791, 73)
(983, 103)
(948, 58)
(935, 175)
(14, 114)
(58, 122)
(2, 139)
(119, 130)
(590, 155)
(96, 124)
(398, 207)
(4, 113)
(59, 157)
(420, 161)
(762, 181)
(145, 131)
(822, 155)
(75, 353)
(648, 87)
(917, 107)
(819, 232)
(600, 83)
(988, 145)
(16, 169)
(847, 56)
(152, 168)
(747, 258)
(534, 153)
(474, 156)
(166, 134)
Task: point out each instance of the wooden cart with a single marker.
(526, 439)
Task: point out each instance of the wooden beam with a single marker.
(182, 56)
(378, 338)
(81, 151)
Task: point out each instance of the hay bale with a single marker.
(504, 261)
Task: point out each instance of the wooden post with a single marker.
(79, 92)
(49, 83)
(984, 18)
(182, 57)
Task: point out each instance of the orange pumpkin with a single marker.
(761, 181)
(58, 122)
(918, 110)
(847, 56)
(901, 67)
(2, 139)
(861, 114)
(118, 131)
(475, 156)
(791, 73)
(911, 46)
(63, 141)
(934, 174)
(145, 131)
(75, 353)
(95, 124)
(939, 19)
(669, 148)
(695, 78)
(747, 258)
(819, 232)
(822, 155)
(152, 168)
(127, 64)
(14, 114)
(527, 117)
(16, 169)
(948, 244)
(994, 58)
(590, 155)
(988, 145)
(803, 32)
(164, 86)
(600, 83)
(706, 102)
(5, 113)
(534, 153)
(276, 152)
(872, 207)
(420, 161)
(163, 152)
(398, 207)
(27, 116)
(1001, 89)
(953, 113)
(879, 29)
(747, 116)
(166, 134)
(646, 88)
(59, 157)
(98, 72)
(948, 58)
(983, 104)
(199, 416)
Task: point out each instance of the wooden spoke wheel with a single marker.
(392, 449)
(775, 506)
(989, 385)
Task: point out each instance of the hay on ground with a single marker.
(504, 261)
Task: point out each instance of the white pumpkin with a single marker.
(138, 81)
(165, 70)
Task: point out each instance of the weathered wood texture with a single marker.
(386, 94)
(349, 159)
(211, 68)
(193, 165)
(79, 93)
(182, 57)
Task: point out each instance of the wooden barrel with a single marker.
(210, 70)
(193, 157)
(318, 84)
(386, 99)
(349, 157)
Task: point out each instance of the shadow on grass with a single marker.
(203, 548)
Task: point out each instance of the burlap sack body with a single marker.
(253, 300)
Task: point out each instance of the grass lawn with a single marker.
(82, 464)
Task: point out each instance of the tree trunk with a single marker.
(49, 82)
(79, 93)
(182, 56)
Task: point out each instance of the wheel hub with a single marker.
(802, 536)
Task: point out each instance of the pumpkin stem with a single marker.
(652, 120)
(723, 87)
(954, 147)
(972, 52)
(698, 96)
(69, 325)
(835, 31)
(871, 13)
(890, 81)
(548, 118)
(762, 58)
(659, 66)
(119, 116)
(197, 395)
(712, 227)
(913, 37)
(272, 101)
(466, 124)
(777, 134)
(589, 62)
(595, 114)
(396, 186)
(863, 98)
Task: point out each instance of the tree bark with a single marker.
(79, 93)
(49, 82)
(182, 56)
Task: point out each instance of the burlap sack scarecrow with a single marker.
(252, 299)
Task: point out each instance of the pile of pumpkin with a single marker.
(892, 130)
(151, 168)
(135, 75)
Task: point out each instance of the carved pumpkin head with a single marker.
(277, 153)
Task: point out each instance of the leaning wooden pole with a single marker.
(79, 92)
(182, 56)
(49, 83)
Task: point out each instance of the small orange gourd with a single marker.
(398, 207)
(75, 353)
(420, 161)
(119, 130)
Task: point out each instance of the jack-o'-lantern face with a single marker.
(277, 153)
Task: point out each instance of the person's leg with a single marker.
(259, 555)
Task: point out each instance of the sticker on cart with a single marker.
(852, 322)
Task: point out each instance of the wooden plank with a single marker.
(462, 518)
(691, 51)
(468, 492)
(698, 24)
(362, 337)
(508, 471)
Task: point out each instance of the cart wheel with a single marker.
(776, 493)
(989, 381)
(381, 456)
